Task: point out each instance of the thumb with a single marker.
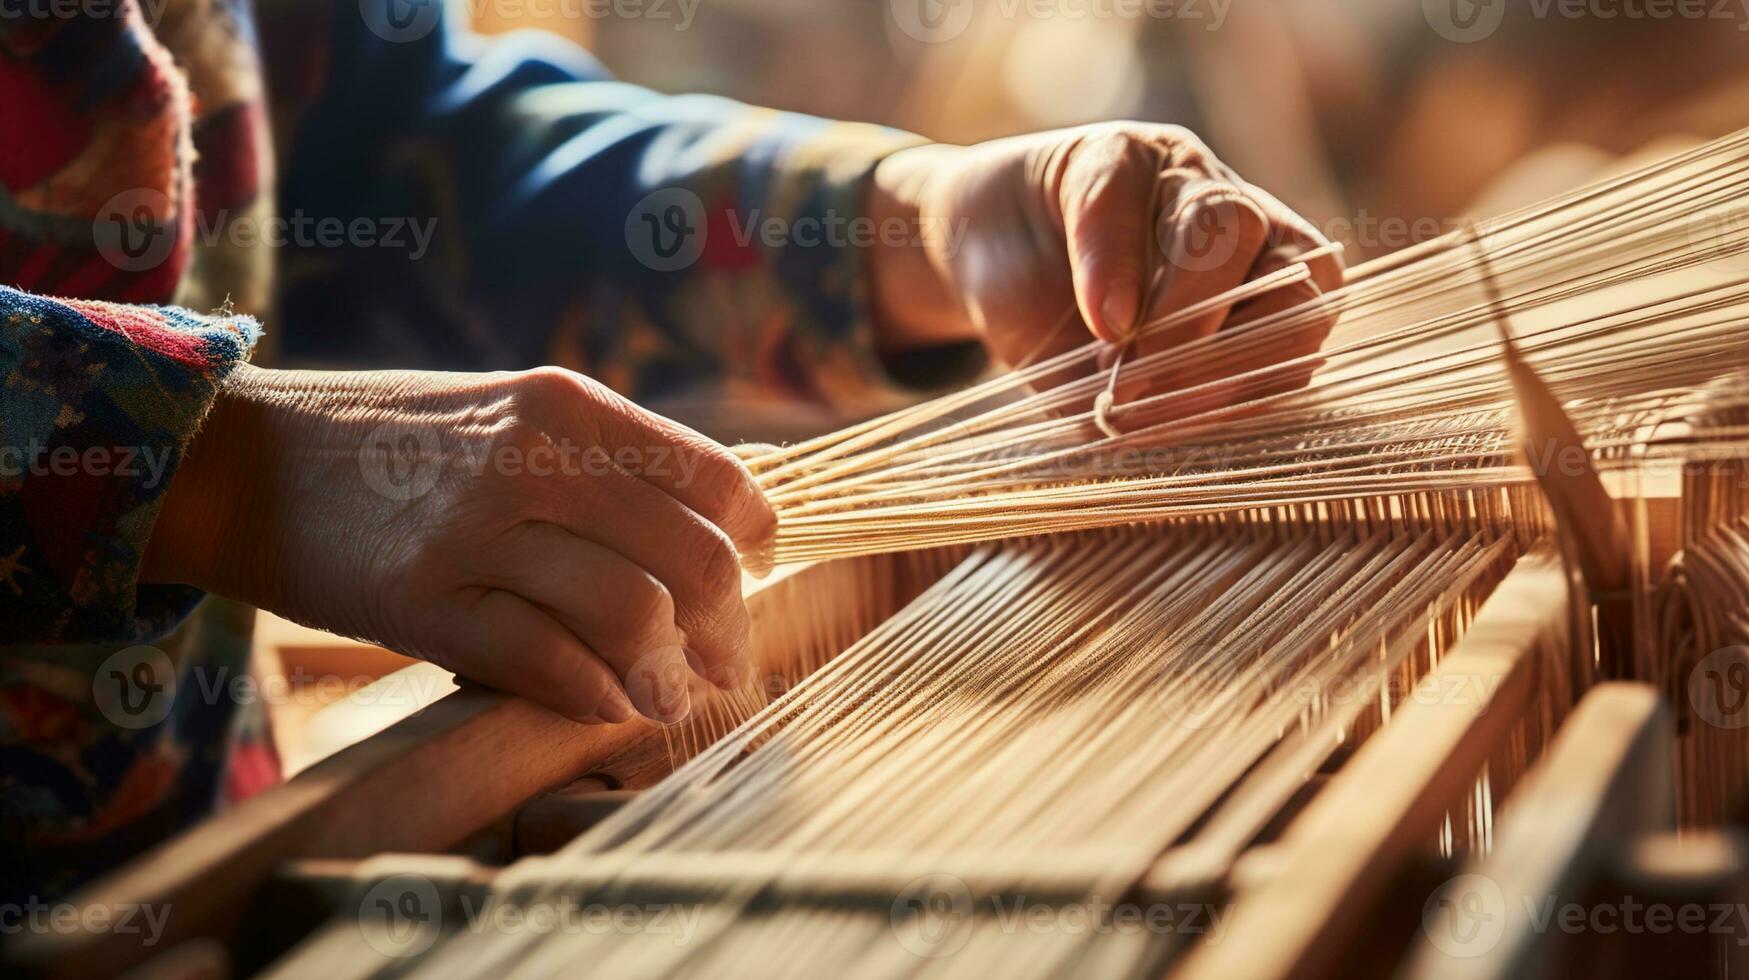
(1107, 200)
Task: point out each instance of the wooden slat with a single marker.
(1384, 807)
(1607, 779)
(424, 784)
(1694, 877)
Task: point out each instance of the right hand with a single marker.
(534, 531)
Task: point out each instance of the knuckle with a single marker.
(1237, 213)
(716, 463)
(549, 384)
(1105, 158)
(718, 614)
(719, 572)
(557, 401)
(1186, 148)
(739, 505)
(1175, 134)
(1114, 140)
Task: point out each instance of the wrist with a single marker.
(202, 520)
(913, 302)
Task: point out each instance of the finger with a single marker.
(1309, 324)
(691, 557)
(704, 476)
(616, 607)
(1212, 237)
(1211, 234)
(1290, 230)
(1237, 374)
(701, 474)
(1106, 191)
(1280, 359)
(1293, 321)
(504, 641)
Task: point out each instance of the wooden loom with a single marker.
(1523, 736)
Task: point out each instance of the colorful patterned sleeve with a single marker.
(97, 403)
(660, 243)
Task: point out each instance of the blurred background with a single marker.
(1381, 120)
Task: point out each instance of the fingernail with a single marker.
(727, 676)
(723, 676)
(615, 708)
(1120, 308)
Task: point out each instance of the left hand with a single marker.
(1019, 234)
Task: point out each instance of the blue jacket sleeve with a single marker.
(548, 213)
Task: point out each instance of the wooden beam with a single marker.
(1607, 779)
(425, 784)
(1383, 808)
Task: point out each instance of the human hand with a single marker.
(1115, 222)
(531, 531)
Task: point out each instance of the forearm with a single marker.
(913, 303)
(216, 512)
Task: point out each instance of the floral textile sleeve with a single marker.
(97, 403)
